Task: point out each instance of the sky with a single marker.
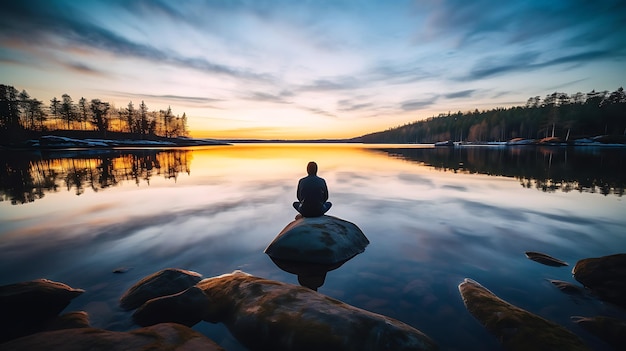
(311, 69)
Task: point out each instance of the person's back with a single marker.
(312, 194)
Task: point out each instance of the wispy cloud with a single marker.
(415, 104)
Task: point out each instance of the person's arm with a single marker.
(325, 191)
(299, 191)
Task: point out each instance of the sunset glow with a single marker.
(323, 69)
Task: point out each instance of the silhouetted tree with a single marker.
(99, 115)
(67, 109)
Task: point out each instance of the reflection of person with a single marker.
(312, 194)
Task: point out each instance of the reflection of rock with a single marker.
(604, 276)
(269, 315)
(26, 307)
(545, 259)
(311, 275)
(611, 330)
(166, 282)
(187, 307)
(324, 240)
(516, 328)
(167, 336)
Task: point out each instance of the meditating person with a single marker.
(312, 194)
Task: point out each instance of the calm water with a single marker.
(433, 216)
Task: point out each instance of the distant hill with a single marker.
(557, 115)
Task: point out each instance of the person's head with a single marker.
(311, 168)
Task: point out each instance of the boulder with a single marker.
(604, 276)
(322, 240)
(162, 283)
(166, 336)
(187, 308)
(26, 307)
(270, 315)
(516, 328)
(77, 319)
(610, 330)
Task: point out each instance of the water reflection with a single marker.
(26, 177)
(547, 169)
(310, 275)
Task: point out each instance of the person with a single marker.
(312, 194)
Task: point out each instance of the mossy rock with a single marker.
(165, 336)
(162, 283)
(270, 315)
(516, 328)
(322, 240)
(27, 306)
(604, 276)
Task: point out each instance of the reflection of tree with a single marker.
(25, 177)
(584, 169)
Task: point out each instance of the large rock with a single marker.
(167, 336)
(188, 308)
(162, 283)
(26, 307)
(604, 276)
(610, 330)
(516, 328)
(269, 315)
(323, 240)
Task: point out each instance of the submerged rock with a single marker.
(323, 240)
(545, 259)
(604, 276)
(166, 282)
(567, 287)
(610, 330)
(188, 308)
(26, 307)
(516, 328)
(166, 336)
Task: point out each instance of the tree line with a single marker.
(557, 115)
(20, 113)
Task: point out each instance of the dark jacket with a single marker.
(312, 194)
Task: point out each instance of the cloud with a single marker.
(265, 97)
(75, 29)
(459, 94)
(167, 97)
(412, 105)
(529, 61)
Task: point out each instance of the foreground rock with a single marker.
(604, 276)
(28, 306)
(545, 259)
(167, 336)
(517, 329)
(188, 308)
(166, 282)
(269, 315)
(322, 240)
(610, 330)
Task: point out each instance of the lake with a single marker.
(434, 216)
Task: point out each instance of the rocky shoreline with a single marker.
(264, 314)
